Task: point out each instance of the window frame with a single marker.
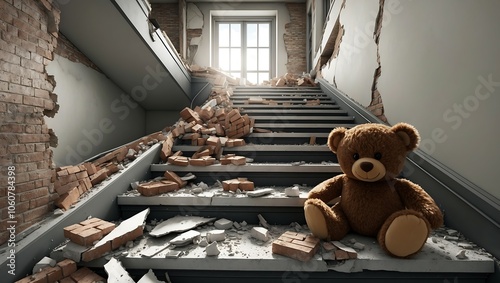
(244, 20)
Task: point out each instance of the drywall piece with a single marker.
(125, 227)
(185, 238)
(216, 236)
(259, 193)
(179, 224)
(223, 224)
(260, 233)
(194, 17)
(212, 249)
(116, 272)
(292, 191)
(44, 262)
(149, 277)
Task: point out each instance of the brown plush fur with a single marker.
(371, 156)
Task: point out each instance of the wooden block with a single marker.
(296, 245)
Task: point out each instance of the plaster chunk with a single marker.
(116, 272)
(149, 277)
(212, 249)
(185, 238)
(261, 192)
(216, 236)
(292, 191)
(223, 224)
(260, 233)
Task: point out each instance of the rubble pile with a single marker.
(291, 80)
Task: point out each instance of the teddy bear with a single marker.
(373, 200)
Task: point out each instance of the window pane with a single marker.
(263, 77)
(224, 35)
(224, 58)
(263, 59)
(252, 78)
(252, 59)
(235, 35)
(252, 35)
(263, 35)
(235, 59)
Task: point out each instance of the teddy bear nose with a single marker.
(366, 166)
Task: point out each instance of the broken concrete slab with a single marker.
(179, 224)
(149, 277)
(212, 249)
(116, 272)
(185, 238)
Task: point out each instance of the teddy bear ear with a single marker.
(408, 134)
(336, 135)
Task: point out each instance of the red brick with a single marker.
(98, 177)
(95, 252)
(67, 199)
(67, 266)
(169, 175)
(130, 236)
(296, 245)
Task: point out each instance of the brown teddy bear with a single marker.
(373, 202)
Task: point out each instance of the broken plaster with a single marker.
(194, 17)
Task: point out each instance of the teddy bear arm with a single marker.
(328, 189)
(415, 198)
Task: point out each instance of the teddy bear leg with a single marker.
(404, 233)
(324, 222)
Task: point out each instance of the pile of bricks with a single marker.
(71, 182)
(242, 184)
(296, 245)
(64, 271)
(233, 159)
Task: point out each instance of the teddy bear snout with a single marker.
(366, 166)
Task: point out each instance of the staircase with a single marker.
(293, 152)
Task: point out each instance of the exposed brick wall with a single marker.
(167, 16)
(295, 38)
(67, 50)
(29, 30)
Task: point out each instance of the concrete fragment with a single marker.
(173, 254)
(292, 191)
(223, 224)
(216, 236)
(179, 224)
(116, 272)
(149, 277)
(260, 233)
(259, 193)
(203, 242)
(185, 238)
(73, 251)
(212, 249)
(236, 225)
(328, 255)
(44, 262)
(359, 246)
(465, 246)
(462, 254)
(263, 221)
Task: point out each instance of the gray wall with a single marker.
(440, 72)
(202, 57)
(157, 120)
(94, 116)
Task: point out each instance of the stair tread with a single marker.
(259, 147)
(252, 167)
(303, 118)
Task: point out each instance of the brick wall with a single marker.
(167, 16)
(67, 50)
(29, 30)
(295, 38)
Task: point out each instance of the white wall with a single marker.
(440, 72)
(202, 57)
(94, 116)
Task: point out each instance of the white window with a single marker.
(244, 47)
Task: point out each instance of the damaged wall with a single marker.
(434, 67)
(167, 15)
(294, 38)
(94, 115)
(29, 31)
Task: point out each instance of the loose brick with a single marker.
(169, 175)
(84, 274)
(67, 199)
(178, 160)
(296, 245)
(98, 177)
(67, 266)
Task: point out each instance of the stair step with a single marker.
(277, 153)
(281, 97)
(286, 138)
(301, 127)
(299, 119)
(292, 102)
(293, 106)
(301, 112)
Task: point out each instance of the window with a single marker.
(244, 47)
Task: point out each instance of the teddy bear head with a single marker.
(372, 152)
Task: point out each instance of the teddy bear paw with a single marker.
(316, 221)
(406, 235)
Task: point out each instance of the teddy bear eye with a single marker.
(378, 155)
(355, 156)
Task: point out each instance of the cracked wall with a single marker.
(433, 68)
